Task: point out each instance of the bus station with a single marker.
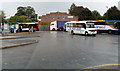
(60, 36)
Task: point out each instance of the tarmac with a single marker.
(61, 56)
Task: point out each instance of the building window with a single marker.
(46, 18)
(63, 17)
(70, 16)
(53, 17)
(58, 17)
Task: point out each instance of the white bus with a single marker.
(80, 27)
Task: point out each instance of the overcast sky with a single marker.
(46, 6)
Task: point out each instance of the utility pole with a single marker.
(107, 13)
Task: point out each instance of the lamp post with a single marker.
(107, 13)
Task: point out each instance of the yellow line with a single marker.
(101, 66)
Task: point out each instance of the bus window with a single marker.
(78, 25)
(84, 25)
(100, 23)
(52, 24)
(68, 25)
(90, 26)
(25, 25)
(74, 25)
(117, 25)
(110, 23)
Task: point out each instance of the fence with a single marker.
(44, 27)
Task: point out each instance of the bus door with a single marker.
(117, 26)
(34, 27)
(82, 27)
(69, 26)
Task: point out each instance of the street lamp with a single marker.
(107, 13)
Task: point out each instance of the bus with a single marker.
(101, 26)
(107, 26)
(114, 25)
(80, 27)
(26, 26)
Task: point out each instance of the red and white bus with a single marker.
(35, 26)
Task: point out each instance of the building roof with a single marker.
(54, 13)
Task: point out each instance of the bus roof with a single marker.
(100, 20)
(27, 23)
(112, 20)
(76, 22)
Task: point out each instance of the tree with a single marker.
(15, 19)
(112, 13)
(20, 11)
(101, 18)
(96, 14)
(2, 17)
(81, 12)
(27, 11)
(72, 9)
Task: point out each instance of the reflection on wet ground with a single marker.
(61, 50)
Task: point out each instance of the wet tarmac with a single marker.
(61, 50)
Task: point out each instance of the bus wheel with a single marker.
(72, 32)
(109, 31)
(86, 33)
(94, 34)
(53, 29)
(64, 30)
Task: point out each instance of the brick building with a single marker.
(57, 16)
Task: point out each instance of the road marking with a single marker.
(101, 66)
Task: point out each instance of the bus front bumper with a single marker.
(92, 32)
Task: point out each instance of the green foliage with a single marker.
(27, 11)
(96, 14)
(81, 12)
(100, 18)
(112, 13)
(14, 19)
(20, 11)
(85, 14)
(73, 9)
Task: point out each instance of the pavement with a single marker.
(20, 43)
(18, 39)
(20, 33)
